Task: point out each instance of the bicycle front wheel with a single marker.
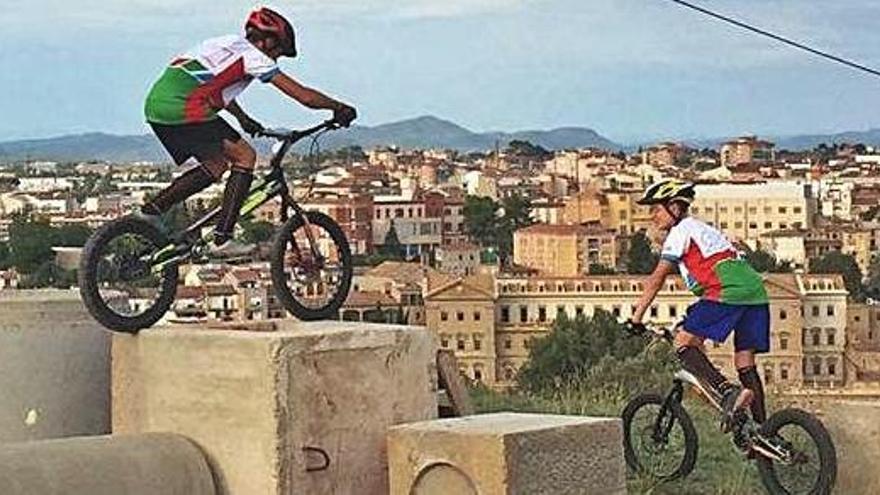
(812, 467)
(658, 441)
(311, 266)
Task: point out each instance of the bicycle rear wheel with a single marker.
(311, 285)
(812, 468)
(658, 441)
(116, 281)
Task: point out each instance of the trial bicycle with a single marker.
(129, 268)
(793, 450)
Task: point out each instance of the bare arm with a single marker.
(653, 284)
(237, 111)
(307, 96)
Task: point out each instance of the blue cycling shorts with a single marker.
(715, 321)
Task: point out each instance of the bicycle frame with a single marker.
(270, 186)
(664, 422)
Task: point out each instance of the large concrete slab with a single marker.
(156, 464)
(508, 454)
(855, 429)
(54, 367)
(256, 397)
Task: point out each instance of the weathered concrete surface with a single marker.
(155, 464)
(54, 367)
(855, 429)
(254, 399)
(507, 454)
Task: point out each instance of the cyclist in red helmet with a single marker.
(183, 109)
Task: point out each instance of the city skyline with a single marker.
(638, 70)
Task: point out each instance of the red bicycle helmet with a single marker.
(267, 20)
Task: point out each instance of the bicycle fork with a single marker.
(666, 418)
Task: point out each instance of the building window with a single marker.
(831, 337)
(673, 311)
(768, 374)
(459, 315)
(507, 344)
(768, 225)
(578, 311)
(817, 339)
(783, 314)
(830, 310)
(832, 368)
(817, 367)
(783, 210)
(478, 374)
(815, 310)
(478, 344)
(444, 341)
(783, 343)
(753, 225)
(505, 314)
(560, 310)
(460, 344)
(476, 316)
(523, 314)
(616, 311)
(542, 314)
(654, 311)
(783, 373)
(797, 209)
(723, 225)
(444, 316)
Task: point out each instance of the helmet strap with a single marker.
(678, 218)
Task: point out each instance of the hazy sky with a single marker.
(631, 69)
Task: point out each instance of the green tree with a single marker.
(573, 347)
(71, 235)
(526, 149)
(4, 256)
(30, 242)
(257, 232)
(764, 262)
(600, 269)
(516, 215)
(844, 264)
(391, 248)
(640, 259)
(480, 220)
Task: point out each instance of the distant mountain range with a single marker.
(421, 132)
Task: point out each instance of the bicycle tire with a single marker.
(279, 277)
(88, 283)
(691, 444)
(824, 445)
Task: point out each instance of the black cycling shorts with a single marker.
(202, 141)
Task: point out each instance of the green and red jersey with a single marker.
(205, 79)
(711, 266)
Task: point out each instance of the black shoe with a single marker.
(734, 400)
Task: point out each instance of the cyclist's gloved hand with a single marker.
(344, 114)
(634, 328)
(251, 126)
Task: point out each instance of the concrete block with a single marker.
(508, 454)
(54, 367)
(157, 464)
(855, 429)
(266, 401)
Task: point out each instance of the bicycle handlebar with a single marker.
(294, 136)
(657, 332)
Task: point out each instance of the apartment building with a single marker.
(564, 250)
(745, 150)
(745, 212)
